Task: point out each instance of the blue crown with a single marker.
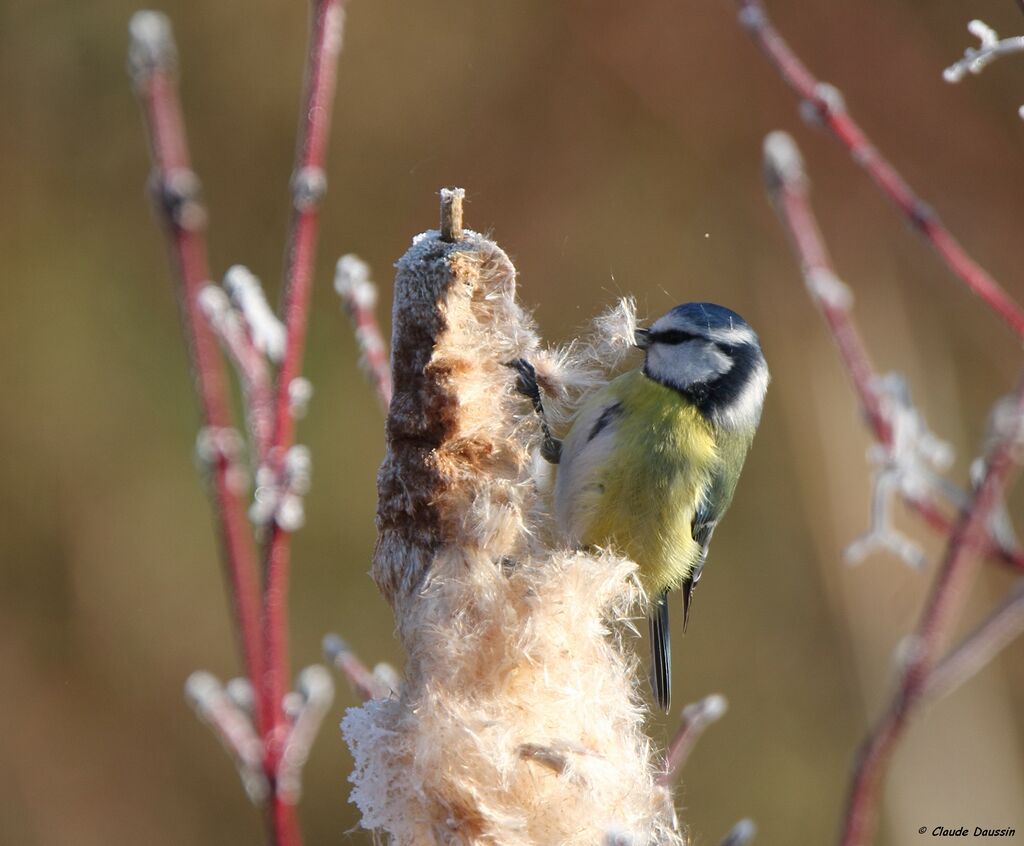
(708, 314)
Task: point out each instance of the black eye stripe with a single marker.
(674, 336)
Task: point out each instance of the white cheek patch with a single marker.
(687, 363)
(745, 411)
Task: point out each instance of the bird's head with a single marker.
(712, 356)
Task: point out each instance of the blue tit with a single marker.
(651, 461)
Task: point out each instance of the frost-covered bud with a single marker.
(300, 392)
(909, 651)
(246, 293)
(290, 514)
(152, 45)
(214, 445)
(308, 187)
(828, 100)
(240, 692)
(291, 704)
(298, 469)
(708, 709)
(782, 160)
(213, 303)
(264, 499)
(829, 288)
(352, 282)
(201, 688)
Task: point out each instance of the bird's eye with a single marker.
(673, 336)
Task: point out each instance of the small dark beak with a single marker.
(642, 338)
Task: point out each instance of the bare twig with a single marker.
(365, 683)
(788, 187)
(317, 694)
(825, 105)
(176, 194)
(971, 533)
(251, 335)
(254, 375)
(359, 298)
(234, 727)
(695, 718)
(1004, 625)
(308, 185)
(976, 59)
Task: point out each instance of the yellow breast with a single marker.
(641, 497)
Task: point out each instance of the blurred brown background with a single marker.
(611, 148)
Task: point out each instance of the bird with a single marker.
(651, 461)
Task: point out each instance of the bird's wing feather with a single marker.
(732, 448)
(584, 452)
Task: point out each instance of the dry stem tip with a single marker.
(451, 213)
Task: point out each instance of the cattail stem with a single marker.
(516, 722)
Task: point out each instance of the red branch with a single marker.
(358, 297)
(1004, 625)
(176, 194)
(366, 684)
(828, 108)
(788, 187)
(308, 185)
(270, 410)
(947, 597)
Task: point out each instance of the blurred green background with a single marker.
(611, 148)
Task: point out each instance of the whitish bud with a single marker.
(245, 291)
(300, 392)
(829, 288)
(710, 708)
(315, 684)
(240, 692)
(291, 704)
(298, 469)
(352, 282)
(290, 514)
(783, 163)
(152, 45)
(200, 688)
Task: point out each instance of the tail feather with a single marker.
(661, 653)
